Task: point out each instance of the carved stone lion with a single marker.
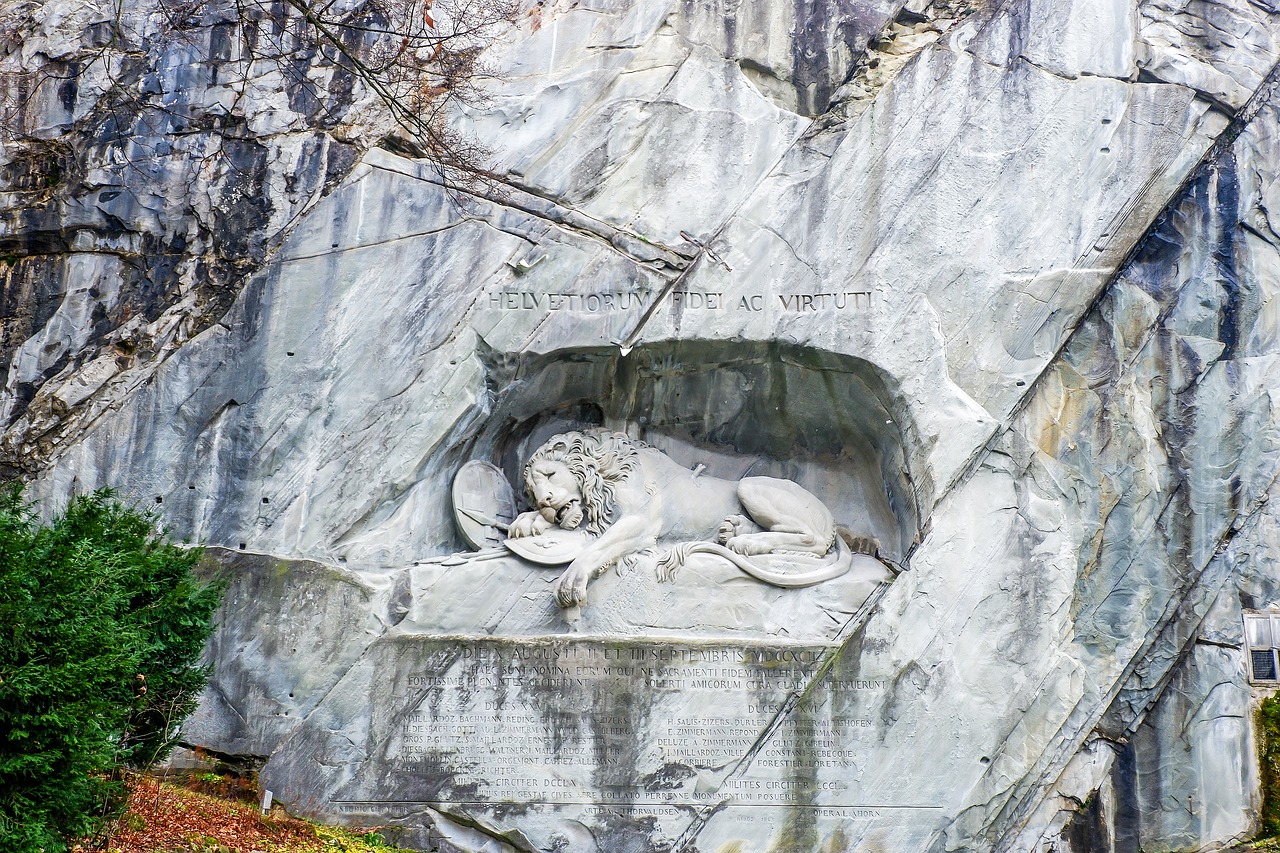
(630, 496)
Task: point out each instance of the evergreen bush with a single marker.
(1268, 735)
(101, 625)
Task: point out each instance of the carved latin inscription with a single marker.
(679, 300)
(591, 303)
(846, 300)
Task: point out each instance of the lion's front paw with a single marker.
(571, 589)
(528, 524)
(731, 527)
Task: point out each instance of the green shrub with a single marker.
(1268, 731)
(101, 625)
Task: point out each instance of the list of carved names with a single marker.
(520, 724)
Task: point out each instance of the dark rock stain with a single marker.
(827, 35)
(669, 777)
(1225, 250)
(104, 183)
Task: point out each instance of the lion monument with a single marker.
(627, 497)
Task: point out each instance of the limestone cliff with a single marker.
(994, 279)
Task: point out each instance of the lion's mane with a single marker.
(599, 460)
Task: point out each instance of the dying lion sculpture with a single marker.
(630, 496)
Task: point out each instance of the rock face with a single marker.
(993, 282)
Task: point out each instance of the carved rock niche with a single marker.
(824, 420)
(720, 411)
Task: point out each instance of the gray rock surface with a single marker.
(994, 282)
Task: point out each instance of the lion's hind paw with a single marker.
(732, 526)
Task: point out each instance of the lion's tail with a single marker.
(670, 562)
(676, 557)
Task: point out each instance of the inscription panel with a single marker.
(546, 723)
(654, 730)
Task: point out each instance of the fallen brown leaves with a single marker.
(169, 818)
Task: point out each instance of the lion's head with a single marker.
(599, 460)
